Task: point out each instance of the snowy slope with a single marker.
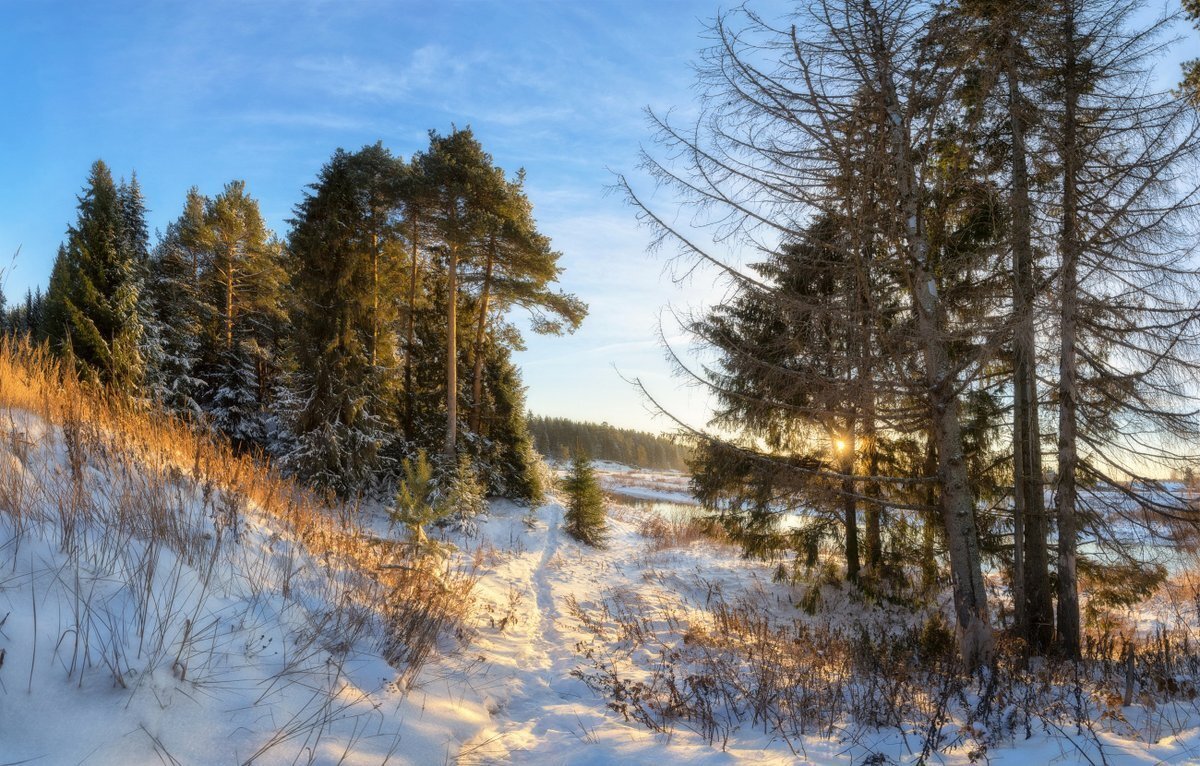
(148, 616)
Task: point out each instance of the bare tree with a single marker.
(765, 160)
(1125, 290)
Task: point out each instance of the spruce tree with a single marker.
(585, 518)
(512, 467)
(93, 298)
(174, 308)
(341, 256)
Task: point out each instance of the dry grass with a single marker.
(149, 515)
(679, 528)
(720, 667)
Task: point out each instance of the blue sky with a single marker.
(204, 92)
(199, 93)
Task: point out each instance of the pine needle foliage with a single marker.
(586, 517)
(416, 497)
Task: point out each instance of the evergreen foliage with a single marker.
(342, 318)
(950, 197)
(462, 494)
(401, 276)
(416, 504)
(240, 282)
(175, 312)
(24, 318)
(93, 297)
(585, 518)
(341, 353)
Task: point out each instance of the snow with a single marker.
(251, 648)
(643, 484)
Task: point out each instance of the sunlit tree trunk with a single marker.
(452, 353)
(480, 334)
(410, 331)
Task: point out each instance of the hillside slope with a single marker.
(165, 601)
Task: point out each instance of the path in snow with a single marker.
(533, 695)
(539, 713)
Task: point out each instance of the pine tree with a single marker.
(464, 187)
(516, 266)
(93, 297)
(240, 280)
(416, 504)
(585, 518)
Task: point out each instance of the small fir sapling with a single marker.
(586, 515)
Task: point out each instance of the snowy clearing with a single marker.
(227, 639)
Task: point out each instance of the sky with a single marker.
(201, 93)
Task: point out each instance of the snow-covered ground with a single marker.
(625, 482)
(245, 646)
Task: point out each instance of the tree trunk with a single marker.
(1031, 576)
(374, 296)
(410, 333)
(957, 501)
(1068, 457)
(849, 503)
(480, 333)
(874, 509)
(452, 354)
(929, 566)
(229, 255)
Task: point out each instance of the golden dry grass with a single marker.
(133, 470)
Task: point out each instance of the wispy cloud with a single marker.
(306, 119)
(427, 68)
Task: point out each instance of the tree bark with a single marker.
(1068, 457)
(452, 354)
(850, 503)
(480, 333)
(229, 256)
(958, 503)
(374, 296)
(1031, 577)
(874, 509)
(410, 332)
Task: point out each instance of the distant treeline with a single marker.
(559, 437)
